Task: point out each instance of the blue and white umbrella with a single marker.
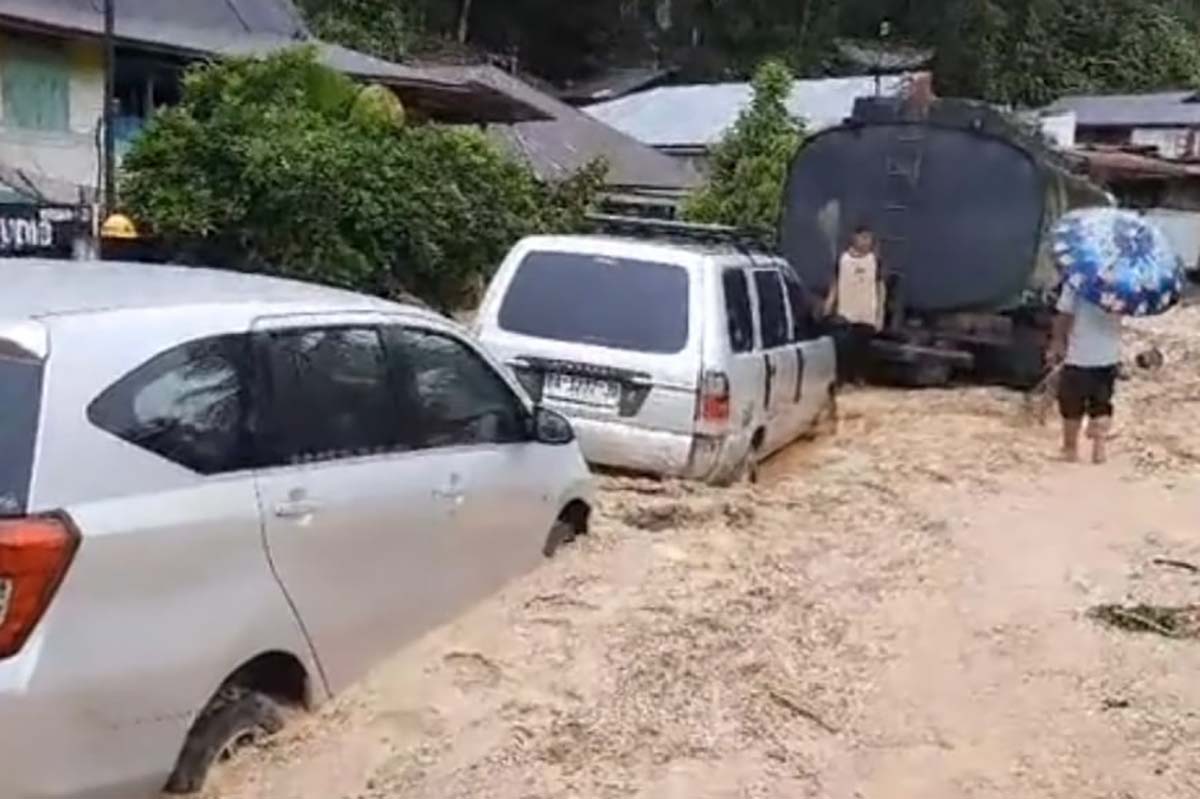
(1118, 260)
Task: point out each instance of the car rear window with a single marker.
(621, 303)
(20, 404)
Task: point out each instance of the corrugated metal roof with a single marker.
(571, 139)
(201, 28)
(1162, 109)
(699, 115)
(274, 18)
(612, 84)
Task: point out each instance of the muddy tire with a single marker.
(746, 471)
(236, 717)
(561, 534)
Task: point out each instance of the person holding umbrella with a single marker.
(1086, 341)
(1114, 264)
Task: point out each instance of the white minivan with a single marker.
(672, 354)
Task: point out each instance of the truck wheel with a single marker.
(235, 718)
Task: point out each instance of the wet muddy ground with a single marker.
(907, 608)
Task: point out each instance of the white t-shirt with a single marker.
(858, 299)
(1095, 337)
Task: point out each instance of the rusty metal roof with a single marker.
(569, 138)
(1109, 163)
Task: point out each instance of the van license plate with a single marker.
(582, 390)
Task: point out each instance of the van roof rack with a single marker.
(638, 227)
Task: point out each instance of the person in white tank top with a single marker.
(857, 296)
(857, 291)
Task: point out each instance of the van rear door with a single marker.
(604, 337)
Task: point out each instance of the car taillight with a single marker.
(714, 397)
(34, 555)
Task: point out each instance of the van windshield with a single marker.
(20, 398)
(620, 303)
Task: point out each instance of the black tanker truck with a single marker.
(961, 199)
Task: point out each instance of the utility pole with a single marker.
(110, 83)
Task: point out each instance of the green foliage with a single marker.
(1028, 52)
(750, 166)
(281, 165)
(1020, 52)
(383, 28)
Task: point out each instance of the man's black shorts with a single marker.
(1086, 391)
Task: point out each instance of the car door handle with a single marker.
(298, 509)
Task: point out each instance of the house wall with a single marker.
(1171, 143)
(1174, 143)
(66, 155)
(1182, 228)
(698, 159)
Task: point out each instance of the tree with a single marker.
(1016, 52)
(750, 165)
(383, 28)
(284, 166)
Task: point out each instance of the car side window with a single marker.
(804, 320)
(459, 399)
(771, 309)
(737, 310)
(331, 396)
(188, 405)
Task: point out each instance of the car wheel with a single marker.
(562, 533)
(235, 718)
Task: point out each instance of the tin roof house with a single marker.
(687, 121)
(52, 79)
(1166, 124)
(52, 93)
(566, 139)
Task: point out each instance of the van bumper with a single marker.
(54, 745)
(637, 449)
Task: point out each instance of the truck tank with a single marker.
(961, 199)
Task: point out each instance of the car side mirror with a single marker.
(551, 427)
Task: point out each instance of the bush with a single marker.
(283, 166)
(750, 165)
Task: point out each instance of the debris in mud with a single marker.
(473, 670)
(794, 706)
(659, 517)
(1181, 565)
(558, 601)
(1170, 622)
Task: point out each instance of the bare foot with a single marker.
(1099, 456)
(1069, 455)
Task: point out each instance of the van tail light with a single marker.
(714, 397)
(34, 555)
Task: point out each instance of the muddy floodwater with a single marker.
(901, 609)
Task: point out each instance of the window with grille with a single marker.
(36, 86)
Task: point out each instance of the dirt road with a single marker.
(896, 611)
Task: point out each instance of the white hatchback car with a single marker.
(222, 493)
(673, 349)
